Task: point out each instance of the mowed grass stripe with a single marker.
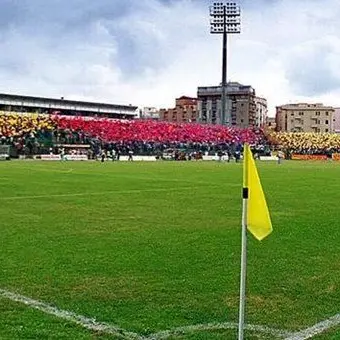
(101, 193)
(160, 260)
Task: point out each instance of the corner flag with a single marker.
(255, 218)
(258, 218)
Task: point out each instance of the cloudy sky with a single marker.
(148, 52)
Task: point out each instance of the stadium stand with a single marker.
(26, 133)
(36, 134)
(306, 143)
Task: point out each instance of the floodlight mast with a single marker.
(225, 19)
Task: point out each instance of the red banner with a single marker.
(310, 157)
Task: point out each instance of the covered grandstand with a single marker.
(30, 104)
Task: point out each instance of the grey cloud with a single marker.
(122, 48)
(61, 26)
(9, 14)
(66, 47)
(310, 70)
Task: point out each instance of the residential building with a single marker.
(261, 111)
(184, 111)
(271, 123)
(149, 113)
(336, 120)
(29, 104)
(241, 104)
(304, 117)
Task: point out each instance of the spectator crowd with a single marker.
(36, 134)
(146, 137)
(27, 133)
(305, 142)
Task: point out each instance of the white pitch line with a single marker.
(119, 333)
(132, 191)
(66, 171)
(217, 326)
(90, 324)
(317, 329)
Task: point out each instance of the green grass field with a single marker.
(156, 246)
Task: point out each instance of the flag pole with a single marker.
(243, 268)
(244, 245)
(255, 218)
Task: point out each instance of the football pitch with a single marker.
(152, 251)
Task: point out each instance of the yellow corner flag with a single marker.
(258, 218)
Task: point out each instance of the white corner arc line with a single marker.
(93, 325)
(317, 329)
(218, 326)
(90, 324)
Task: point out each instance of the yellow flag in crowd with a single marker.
(258, 218)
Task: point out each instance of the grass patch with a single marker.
(155, 246)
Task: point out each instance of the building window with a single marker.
(326, 122)
(326, 130)
(300, 113)
(326, 113)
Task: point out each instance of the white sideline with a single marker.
(132, 191)
(317, 329)
(119, 333)
(90, 324)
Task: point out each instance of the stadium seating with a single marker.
(152, 131)
(34, 133)
(146, 137)
(27, 133)
(306, 143)
(14, 125)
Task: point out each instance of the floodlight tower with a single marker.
(225, 19)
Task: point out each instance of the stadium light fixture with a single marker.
(225, 19)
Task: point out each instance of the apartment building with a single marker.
(336, 120)
(241, 106)
(304, 117)
(149, 113)
(185, 111)
(261, 111)
(271, 123)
